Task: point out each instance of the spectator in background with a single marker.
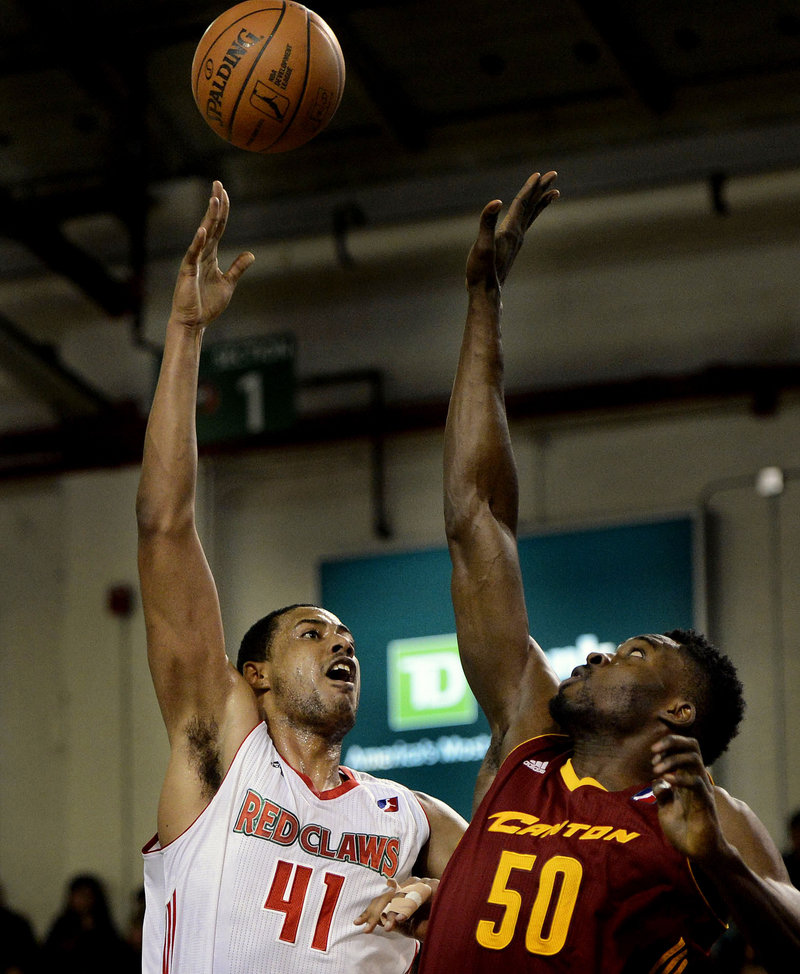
(19, 949)
(792, 856)
(83, 938)
(133, 935)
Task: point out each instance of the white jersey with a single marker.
(269, 878)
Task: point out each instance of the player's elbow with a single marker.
(462, 510)
(154, 518)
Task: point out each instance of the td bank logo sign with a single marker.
(427, 687)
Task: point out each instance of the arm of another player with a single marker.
(481, 494)
(725, 839)
(192, 676)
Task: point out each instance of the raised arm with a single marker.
(506, 669)
(207, 706)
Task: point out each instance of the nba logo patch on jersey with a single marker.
(646, 796)
(388, 804)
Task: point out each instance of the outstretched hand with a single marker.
(202, 290)
(686, 805)
(493, 253)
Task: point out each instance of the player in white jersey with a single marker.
(268, 853)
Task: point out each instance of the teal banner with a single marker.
(418, 721)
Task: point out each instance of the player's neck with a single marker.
(617, 765)
(314, 756)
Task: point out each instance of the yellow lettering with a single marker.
(538, 828)
(620, 835)
(502, 817)
(574, 827)
(596, 832)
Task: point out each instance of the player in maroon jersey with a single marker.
(571, 861)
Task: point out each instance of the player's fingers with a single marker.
(195, 248)
(527, 201)
(543, 202)
(547, 180)
(480, 262)
(489, 221)
(672, 745)
(239, 266)
(367, 921)
(219, 207)
(684, 778)
(407, 900)
(390, 920)
(664, 761)
(371, 916)
(663, 791)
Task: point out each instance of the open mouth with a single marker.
(342, 671)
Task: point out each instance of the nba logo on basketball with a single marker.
(269, 101)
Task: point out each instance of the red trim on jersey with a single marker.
(347, 785)
(152, 845)
(170, 926)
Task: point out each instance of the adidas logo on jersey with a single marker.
(538, 766)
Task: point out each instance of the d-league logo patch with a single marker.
(388, 804)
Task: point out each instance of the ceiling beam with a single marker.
(30, 224)
(612, 21)
(394, 103)
(115, 437)
(37, 368)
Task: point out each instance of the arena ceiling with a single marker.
(98, 123)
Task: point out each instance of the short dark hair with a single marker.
(257, 641)
(718, 693)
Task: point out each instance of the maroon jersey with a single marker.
(557, 874)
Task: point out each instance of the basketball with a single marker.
(268, 75)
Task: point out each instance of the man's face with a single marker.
(314, 673)
(622, 691)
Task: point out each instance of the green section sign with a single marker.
(427, 687)
(245, 388)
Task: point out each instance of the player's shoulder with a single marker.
(369, 780)
(747, 833)
(380, 789)
(436, 809)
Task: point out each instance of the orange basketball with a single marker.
(268, 75)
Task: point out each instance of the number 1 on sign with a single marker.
(251, 385)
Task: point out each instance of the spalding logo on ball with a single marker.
(268, 76)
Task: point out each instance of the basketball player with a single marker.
(599, 842)
(267, 850)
